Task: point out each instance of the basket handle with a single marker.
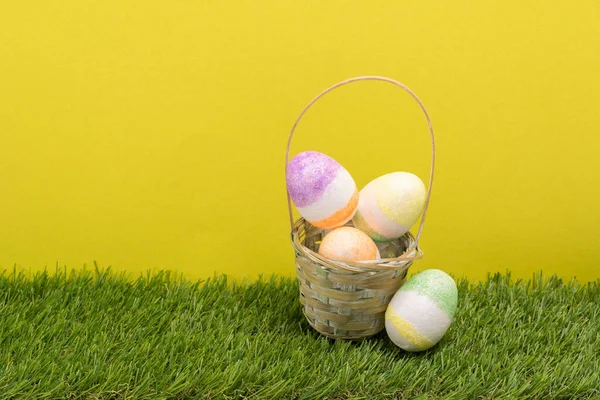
(368, 78)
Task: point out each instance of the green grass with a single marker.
(98, 335)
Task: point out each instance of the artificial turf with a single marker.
(101, 335)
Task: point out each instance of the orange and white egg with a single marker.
(348, 244)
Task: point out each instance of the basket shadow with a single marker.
(288, 319)
(379, 342)
(286, 316)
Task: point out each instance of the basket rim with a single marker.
(411, 254)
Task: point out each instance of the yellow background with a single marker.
(151, 134)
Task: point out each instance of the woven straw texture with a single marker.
(347, 300)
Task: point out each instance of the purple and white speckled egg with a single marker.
(322, 190)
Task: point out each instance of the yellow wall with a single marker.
(151, 134)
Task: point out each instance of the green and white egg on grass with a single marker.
(421, 311)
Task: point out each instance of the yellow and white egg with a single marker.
(389, 205)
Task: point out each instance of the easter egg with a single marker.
(322, 190)
(390, 205)
(348, 244)
(422, 310)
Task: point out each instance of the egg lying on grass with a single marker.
(390, 205)
(422, 310)
(322, 190)
(348, 244)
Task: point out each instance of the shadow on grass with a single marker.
(278, 300)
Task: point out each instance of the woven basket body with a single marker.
(342, 301)
(345, 300)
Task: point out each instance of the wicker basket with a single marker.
(347, 300)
